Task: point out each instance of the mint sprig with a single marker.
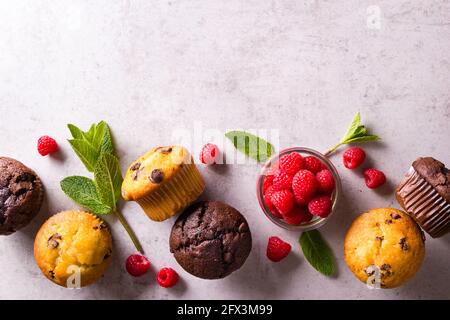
(251, 145)
(355, 133)
(317, 252)
(101, 194)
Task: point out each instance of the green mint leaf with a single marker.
(86, 152)
(75, 131)
(353, 126)
(355, 133)
(82, 190)
(363, 139)
(89, 145)
(317, 252)
(108, 179)
(251, 145)
(106, 143)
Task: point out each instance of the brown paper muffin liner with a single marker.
(174, 195)
(430, 210)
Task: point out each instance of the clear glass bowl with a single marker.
(316, 222)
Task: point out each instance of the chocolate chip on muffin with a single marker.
(157, 176)
(21, 195)
(210, 240)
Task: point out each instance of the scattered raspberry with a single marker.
(167, 277)
(137, 265)
(313, 164)
(320, 206)
(46, 145)
(209, 154)
(283, 201)
(374, 178)
(304, 185)
(353, 157)
(277, 249)
(291, 163)
(282, 181)
(267, 183)
(326, 181)
(297, 215)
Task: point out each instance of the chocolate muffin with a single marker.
(210, 240)
(21, 195)
(425, 194)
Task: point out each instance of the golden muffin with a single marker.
(384, 246)
(163, 182)
(73, 248)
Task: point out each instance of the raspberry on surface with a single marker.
(277, 249)
(209, 154)
(137, 265)
(374, 178)
(353, 157)
(167, 277)
(283, 201)
(320, 206)
(291, 163)
(304, 186)
(326, 181)
(313, 164)
(47, 145)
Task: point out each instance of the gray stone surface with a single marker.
(151, 67)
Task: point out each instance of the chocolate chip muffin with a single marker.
(163, 182)
(210, 240)
(425, 194)
(21, 195)
(73, 248)
(384, 246)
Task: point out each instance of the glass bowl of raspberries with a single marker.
(298, 189)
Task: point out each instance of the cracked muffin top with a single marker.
(21, 195)
(384, 242)
(152, 170)
(73, 243)
(210, 240)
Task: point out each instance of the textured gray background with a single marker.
(149, 67)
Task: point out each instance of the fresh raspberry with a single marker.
(291, 163)
(297, 215)
(282, 181)
(46, 145)
(209, 154)
(374, 178)
(268, 197)
(353, 157)
(277, 249)
(167, 277)
(320, 206)
(137, 265)
(313, 164)
(283, 201)
(275, 213)
(267, 182)
(326, 181)
(304, 185)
